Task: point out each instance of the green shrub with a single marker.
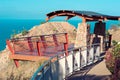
(24, 32)
(55, 30)
(114, 42)
(118, 25)
(13, 36)
(111, 56)
(116, 51)
(43, 22)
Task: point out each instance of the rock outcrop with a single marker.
(115, 34)
(8, 70)
(54, 27)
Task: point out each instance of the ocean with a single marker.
(9, 27)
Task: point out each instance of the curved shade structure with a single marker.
(85, 15)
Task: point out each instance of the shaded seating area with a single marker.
(88, 16)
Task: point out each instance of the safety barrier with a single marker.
(36, 44)
(61, 65)
(42, 45)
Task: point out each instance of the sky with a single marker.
(37, 9)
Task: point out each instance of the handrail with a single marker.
(44, 64)
(37, 36)
(56, 56)
(37, 46)
(33, 41)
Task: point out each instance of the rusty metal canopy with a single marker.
(87, 15)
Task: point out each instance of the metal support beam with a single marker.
(66, 37)
(10, 47)
(30, 43)
(55, 40)
(66, 48)
(38, 48)
(43, 41)
(16, 63)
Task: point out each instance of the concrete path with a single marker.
(98, 72)
(94, 72)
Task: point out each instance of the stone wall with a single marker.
(82, 36)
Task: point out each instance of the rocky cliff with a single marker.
(8, 70)
(115, 34)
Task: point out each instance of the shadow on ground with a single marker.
(90, 77)
(82, 74)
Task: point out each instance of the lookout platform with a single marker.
(36, 48)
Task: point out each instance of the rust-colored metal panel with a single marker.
(55, 40)
(10, 46)
(43, 41)
(39, 48)
(66, 48)
(30, 43)
(66, 36)
(16, 63)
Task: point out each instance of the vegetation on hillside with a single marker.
(23, 33)
(43, 22)
(115, 27)
(113, 59)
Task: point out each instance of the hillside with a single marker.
(115, 34)
(8, 71)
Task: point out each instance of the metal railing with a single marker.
(37, 36)
(61, 66)
(37, 44)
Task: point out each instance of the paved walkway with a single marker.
(94, 72)
(98, 72)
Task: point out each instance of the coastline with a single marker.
(9, 26)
